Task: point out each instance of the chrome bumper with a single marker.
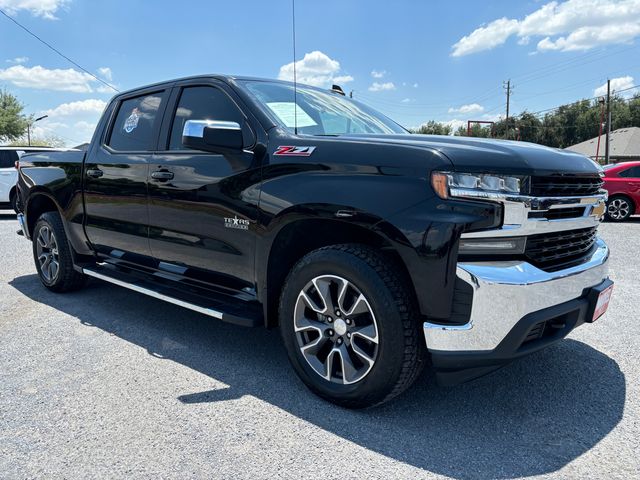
(504, 292)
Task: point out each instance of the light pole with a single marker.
(29, 127)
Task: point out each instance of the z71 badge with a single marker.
(294, 151)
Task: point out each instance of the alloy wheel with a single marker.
(47, 252)
(618, 209)
(336, 329)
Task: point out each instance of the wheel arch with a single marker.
(38, 203)
(299, 236)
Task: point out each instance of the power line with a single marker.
(58, 51)
(582, 100)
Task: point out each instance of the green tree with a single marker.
(13, 124)
(434, 128)
(528, 127)
(48, 141)
(477, 130)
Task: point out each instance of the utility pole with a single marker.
(507, 87)
(606, 140)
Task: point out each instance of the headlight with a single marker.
(474, 185)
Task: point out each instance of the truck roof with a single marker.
(217, 76)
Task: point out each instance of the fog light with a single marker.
(488, 246)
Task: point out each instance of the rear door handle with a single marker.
(162, 175)
(95, 173)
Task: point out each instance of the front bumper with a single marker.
(510, 298)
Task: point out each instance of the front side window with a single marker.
(319, 112)
(204, 103)
(136, 122)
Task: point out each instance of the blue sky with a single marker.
(413, 60)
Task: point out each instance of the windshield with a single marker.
(319, 112)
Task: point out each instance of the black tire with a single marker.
(400, 352)
(619, 208)
(65, 278)
(13, 200)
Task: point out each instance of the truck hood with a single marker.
(499, 156)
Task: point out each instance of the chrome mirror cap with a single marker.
(195, 128)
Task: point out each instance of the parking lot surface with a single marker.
(107, 383)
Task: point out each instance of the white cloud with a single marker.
(469, 108)
(405, 100)
(317, 69)
(378, 73)
(106, 73)
(619, 83)
(565, 26)
(415, 85)
(72, 122)
(342, 79)
(485, 38)
(90, 106)
(63, 80)
(18, 60)
(378, 87)
(39, 8)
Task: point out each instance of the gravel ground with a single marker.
(108, 383)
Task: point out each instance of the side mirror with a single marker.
(212, 136)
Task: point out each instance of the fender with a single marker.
(61, 182)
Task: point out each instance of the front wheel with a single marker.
(52, 255)
(349, 326)
(619, 209)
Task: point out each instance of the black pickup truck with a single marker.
(373, 250)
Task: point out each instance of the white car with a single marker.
(9, 174)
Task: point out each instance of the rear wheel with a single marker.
(52, 255)
(619, 209)
(349, 328)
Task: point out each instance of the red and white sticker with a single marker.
(292, 151)
(603, 303)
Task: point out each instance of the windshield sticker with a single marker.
(287, 114)
(131, 122)
(294, 151)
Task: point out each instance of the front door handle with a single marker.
(162, 175)
(95, 173)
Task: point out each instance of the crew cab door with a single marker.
(115, 177)
(203, 206)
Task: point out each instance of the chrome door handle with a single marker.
(95, 173)
(162, 175)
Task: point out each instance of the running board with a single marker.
(244, 314)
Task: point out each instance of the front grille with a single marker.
(558, 250)
(565, 186)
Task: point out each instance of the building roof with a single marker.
(623, 143)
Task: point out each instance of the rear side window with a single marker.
(8, 158)
(633, 172)
(136, 123)
(205, 103)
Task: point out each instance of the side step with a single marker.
(246, 314)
